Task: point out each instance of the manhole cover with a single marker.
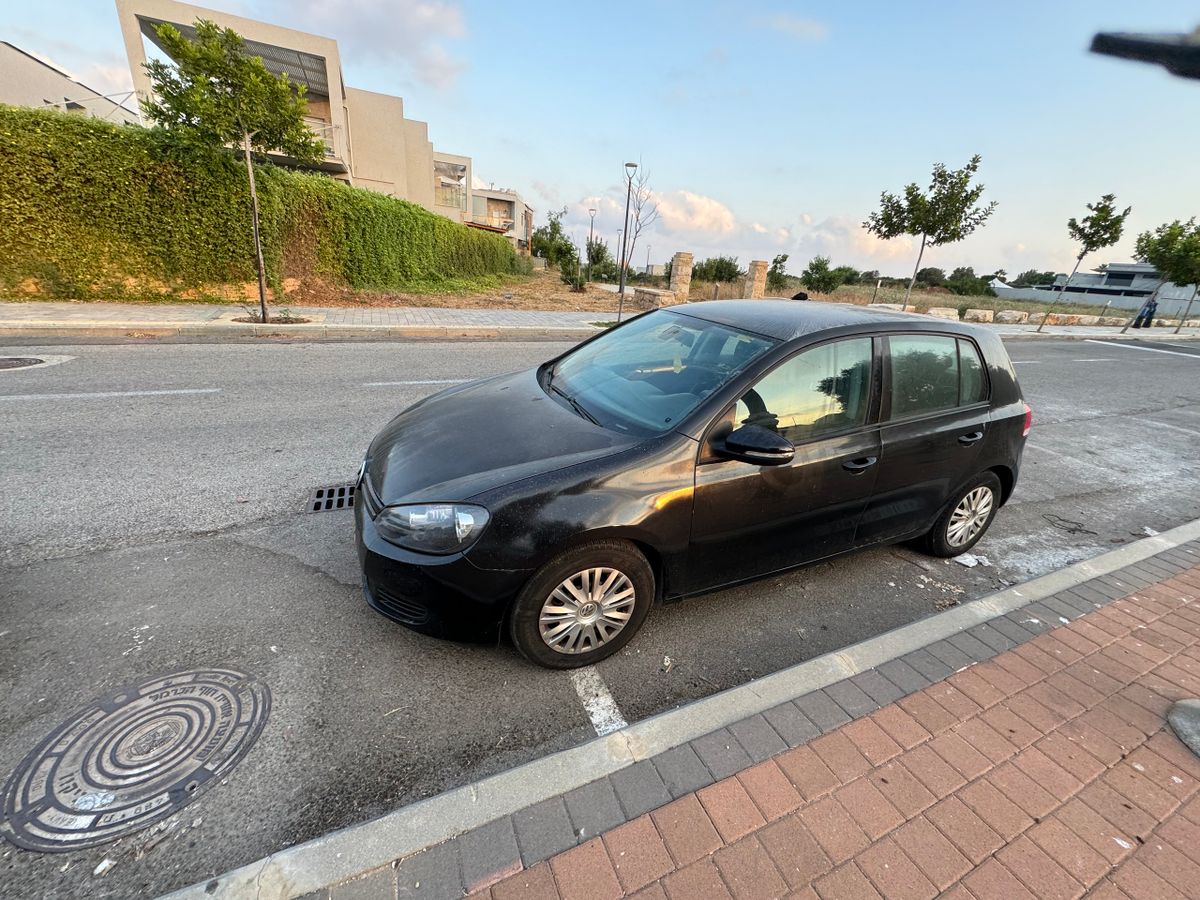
(19, 362)
(133, 758)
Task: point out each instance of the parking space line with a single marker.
(423, 381)
(601, 708)
(1097, 359)
(1191, 431)
(104, 395)
(1145, 349)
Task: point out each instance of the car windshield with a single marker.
(644, 377)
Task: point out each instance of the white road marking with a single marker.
(104, 395)
(1146, 349)
(601, 708)
(1165, 425)
(1026, 362)
(424, 381)
(1097, 359)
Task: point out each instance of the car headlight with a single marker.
(432, 527)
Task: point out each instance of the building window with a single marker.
(449, 184)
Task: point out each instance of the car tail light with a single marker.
(1028, 420)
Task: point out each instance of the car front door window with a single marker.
(817, 392)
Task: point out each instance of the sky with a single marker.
(766, 127)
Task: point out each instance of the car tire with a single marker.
(947, 537)
(559, 590)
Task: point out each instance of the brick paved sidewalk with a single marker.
(1047, 771)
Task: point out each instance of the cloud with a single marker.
(800, 29)
(683, 212)
(412, 32)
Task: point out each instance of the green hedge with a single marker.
(94, 210)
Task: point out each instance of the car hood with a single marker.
(479, 436)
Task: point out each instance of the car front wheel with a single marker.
(966, 518)
(583, 606)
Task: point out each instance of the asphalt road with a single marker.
(143, 533)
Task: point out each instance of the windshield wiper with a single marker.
(575, 404)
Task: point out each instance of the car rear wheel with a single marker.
(966, 518)
(583, 606)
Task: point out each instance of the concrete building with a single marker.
(29, 80)
(503, 211)
(1120, 285)
(368, 141)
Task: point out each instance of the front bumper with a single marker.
(445, 596)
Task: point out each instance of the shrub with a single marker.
(819, 276)
(719, 268)
(89, 209)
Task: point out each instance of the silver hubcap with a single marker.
(587, 610)
(969, 517)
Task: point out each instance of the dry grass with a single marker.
(540, 291)
(925, 299)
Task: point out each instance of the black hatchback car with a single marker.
(683, 451)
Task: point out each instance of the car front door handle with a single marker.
(968, 439)
(860, 465)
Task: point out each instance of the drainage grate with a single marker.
(327, 499)
(19, 362)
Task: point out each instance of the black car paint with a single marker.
(550, 478)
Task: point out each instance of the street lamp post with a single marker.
(591, 231)
(629, 169)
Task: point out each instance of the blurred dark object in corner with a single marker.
(1179, 54)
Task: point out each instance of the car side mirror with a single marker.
(757, 445)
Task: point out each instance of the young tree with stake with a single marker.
(945, 214)
(1101, 228)
(1174, 249)
(218, 96)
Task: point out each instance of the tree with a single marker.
(946, 214)
(932, 276)
(964, 281)
(717, 268)
(1174, 249)
(1101, 228)
(819, 277)
(776, 276)
(600, 261)
(847, 275)
(550, 242)
(643, 211)
(1032, 277)
(216, 95)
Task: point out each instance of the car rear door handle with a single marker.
(968, 439)
(860, 465)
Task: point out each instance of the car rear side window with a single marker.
(822, 390)
(974, 383)
(924, 374)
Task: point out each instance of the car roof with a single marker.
(787, 320)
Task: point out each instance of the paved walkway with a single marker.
(212, 319)
(144, 313)
(1025, 757)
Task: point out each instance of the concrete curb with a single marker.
(1140, 336)
(343, 854)
(313, 331)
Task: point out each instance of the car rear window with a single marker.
(933, 372)
(974, 382)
